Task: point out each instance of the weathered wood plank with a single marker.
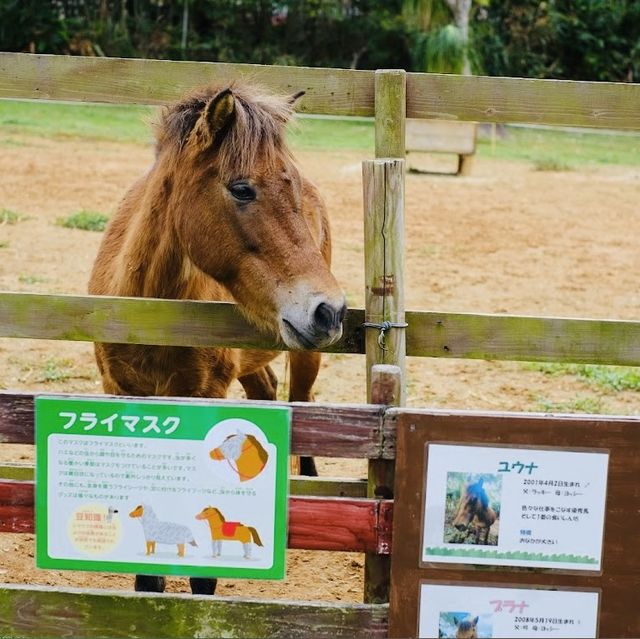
(123, 320)
(317, 429)
(315, 523)
(327, 487)
(620, 437)
(429, 334)
(390, 108)
(386, 389)
(555, 102)
(20, 472)
(125, 81)
(519, 338)
(39, 611)
(441, 136)
(383, 182)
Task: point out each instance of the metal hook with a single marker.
(383, 328)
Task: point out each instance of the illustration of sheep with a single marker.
(161, 532)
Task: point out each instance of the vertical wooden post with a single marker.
(383, 181)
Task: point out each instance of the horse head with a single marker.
(210, 512)
(244, 215)
(473, 501)
(466, 628)
(245, 454)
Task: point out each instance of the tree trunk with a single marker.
(461, 10)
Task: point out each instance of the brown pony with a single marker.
(222, 214)
(474, 510)
(466, 628)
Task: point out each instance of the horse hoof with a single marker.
(203, 586)
(149, 583)
(308, 467)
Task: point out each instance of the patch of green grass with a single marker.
(611, 378)
(56, 370)
(130, 123)
(85, 220)
(11, 217)
(4, 244)
(331, 134)
(126, 123)
(580, 404)
(31, 279)
(551, 164)
(563, 148)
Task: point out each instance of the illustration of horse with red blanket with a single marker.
(223, 530)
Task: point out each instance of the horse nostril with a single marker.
(327, 318)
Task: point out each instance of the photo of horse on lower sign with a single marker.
(472, 514)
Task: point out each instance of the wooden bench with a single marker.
(443, 136)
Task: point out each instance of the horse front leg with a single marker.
(304, 371)
(262, 384)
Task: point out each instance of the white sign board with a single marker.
(512, 506)
(479, 611)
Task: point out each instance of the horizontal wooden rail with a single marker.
(130, 81)
(299, 486)
(528, 101)
(429, 334)
(315, 523)
(329, 91)
(124, 320)
(328, 430)
(41, 611)
(522, 338)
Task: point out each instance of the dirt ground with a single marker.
(507, 239)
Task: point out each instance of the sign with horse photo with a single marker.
(176, 488)
(514, 506)
(512, 525)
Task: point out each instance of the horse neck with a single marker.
(215, 521)
(152, 262)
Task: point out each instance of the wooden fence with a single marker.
(391, 97)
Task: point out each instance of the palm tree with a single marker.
(444, 46)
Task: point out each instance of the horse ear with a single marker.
(295, 97)
(216, 117)
(475, 621)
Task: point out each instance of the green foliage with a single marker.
(580, 404)
(551, 164)
(611, 378)
(565, 39)
(31, 279)
(56, 370)
(85, 220)
(10, 217)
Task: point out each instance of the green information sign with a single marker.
(161, 488)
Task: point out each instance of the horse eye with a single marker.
(242, 192)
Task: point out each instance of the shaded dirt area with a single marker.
(507, 239)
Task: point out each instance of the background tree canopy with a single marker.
(572, 39)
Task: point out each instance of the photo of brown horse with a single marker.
(464, 625)
(472, 509)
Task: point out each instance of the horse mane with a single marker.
(476, 490)
(257, 130)
(219, 513)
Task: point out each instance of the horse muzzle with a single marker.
(318, 328)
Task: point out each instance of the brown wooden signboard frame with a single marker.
(619, 580)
